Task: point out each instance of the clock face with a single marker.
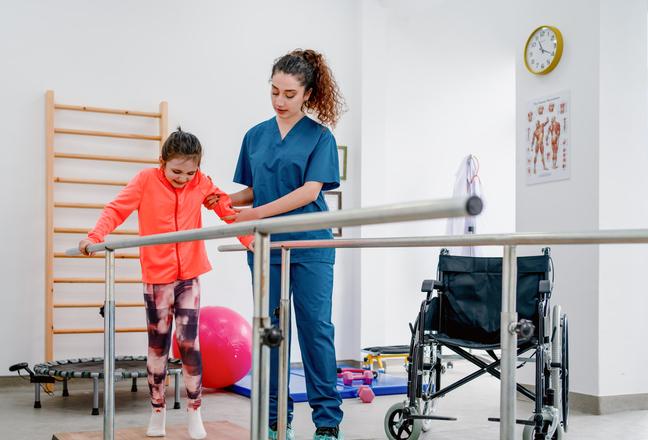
(543, 50)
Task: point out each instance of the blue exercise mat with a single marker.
(384, 384)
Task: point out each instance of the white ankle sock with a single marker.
(195, 424)
(156, 427)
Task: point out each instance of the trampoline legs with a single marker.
(95, 396)
(134, 386)
(66, 393)
(176, 404)
(37, 402)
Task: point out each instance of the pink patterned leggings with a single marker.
(164, 301)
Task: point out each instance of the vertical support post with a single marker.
(508, 343)
(284, 348)
(261, 352)
(49, 226)
(109, 349)
(164, 122)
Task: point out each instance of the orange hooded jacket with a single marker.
(163, 208)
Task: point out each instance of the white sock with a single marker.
(195, 424)
(156, 427)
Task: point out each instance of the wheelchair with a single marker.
(461, 312)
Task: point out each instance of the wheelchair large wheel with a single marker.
(399, 428)
(564, 369)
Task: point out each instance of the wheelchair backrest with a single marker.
(471, 302)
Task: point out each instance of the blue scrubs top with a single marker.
(276, 167)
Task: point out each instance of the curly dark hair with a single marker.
(310, 68)
(181, 144)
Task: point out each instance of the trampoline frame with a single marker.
(51, 369)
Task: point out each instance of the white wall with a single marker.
(567, 205)
(623, 160)
(211, 61)
(438, 83)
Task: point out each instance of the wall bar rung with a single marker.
(110, 111)
(82, 331)
(105, 158)
(101, 256)
(86, 230)
(95, 281)
(90, 181)
(144, 137)
(93, 305)
(79, 205)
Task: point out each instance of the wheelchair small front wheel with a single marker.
(530, 431)
(398, 426)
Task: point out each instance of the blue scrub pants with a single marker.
(312, 291)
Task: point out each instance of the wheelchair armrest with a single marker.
(430, 285)
(545, 286)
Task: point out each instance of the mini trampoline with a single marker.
(126, 367)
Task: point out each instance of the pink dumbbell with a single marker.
(348, 375)
(366, 394)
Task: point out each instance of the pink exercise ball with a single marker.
(225, 345)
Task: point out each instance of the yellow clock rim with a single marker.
(559, 50)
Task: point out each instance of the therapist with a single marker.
(286, 162)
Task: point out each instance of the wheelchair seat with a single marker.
(467, 310)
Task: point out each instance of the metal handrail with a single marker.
(610, 236)
(508, 335)
(400, 212)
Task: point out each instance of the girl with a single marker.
(169, 199)
(286, 162)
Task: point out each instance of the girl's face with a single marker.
(180, 170)
(288, 96)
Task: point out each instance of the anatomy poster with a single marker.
(547, 142)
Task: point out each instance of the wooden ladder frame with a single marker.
(50, 254)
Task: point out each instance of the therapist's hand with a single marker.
(246, 215)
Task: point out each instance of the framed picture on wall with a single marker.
(342, 159)
(334, 201)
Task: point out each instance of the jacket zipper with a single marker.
(176, 228)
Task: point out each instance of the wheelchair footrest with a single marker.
(422, 417)
(518, 421)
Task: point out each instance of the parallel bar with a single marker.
(93, 305)
(612, 236)
(96, 280)
(144, 137)
(109, 350)
(90, 181)
(284, 348)
(83, 331)
(120, 256)
(123, 159)
(84, 108)
(508, 339)
(86, 230)
(400, 212)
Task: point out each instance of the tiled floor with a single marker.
(472, 404)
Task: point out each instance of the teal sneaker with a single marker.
(272, 432)
(328, 434)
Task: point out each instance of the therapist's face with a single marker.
(288, 96)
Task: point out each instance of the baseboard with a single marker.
(12, 381)
(601, 405)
